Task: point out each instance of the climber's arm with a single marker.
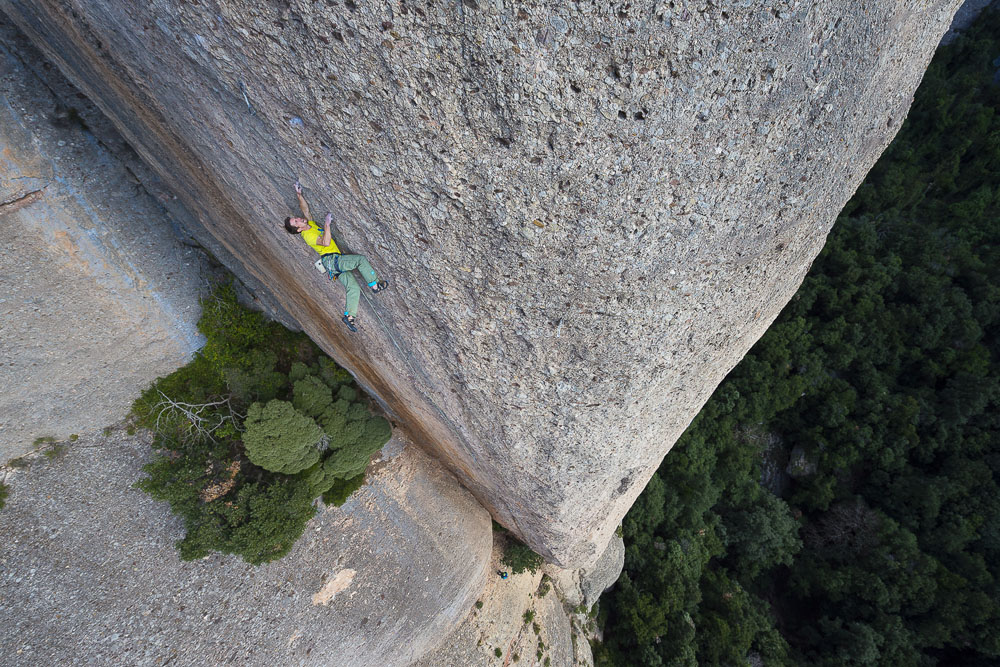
(327, 236)
(302, 201)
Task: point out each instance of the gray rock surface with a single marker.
(97, 295)
(585, 585)
(89, 573)
(499, 624)
(964, 18)
(589, 212)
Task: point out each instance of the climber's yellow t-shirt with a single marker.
(314, 235)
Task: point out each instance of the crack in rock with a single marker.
(20, 202)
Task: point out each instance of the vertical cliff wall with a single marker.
(589, 212)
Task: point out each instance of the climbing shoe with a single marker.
(379, 286)
(349, 321)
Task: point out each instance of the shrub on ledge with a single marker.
(251, 432)
(519, 557)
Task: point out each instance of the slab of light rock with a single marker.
(98, 296)
(585, 585)
(89, 571)
(497, 622)
(588, 212)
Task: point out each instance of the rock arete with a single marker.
(589, 212)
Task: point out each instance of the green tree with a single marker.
(760, 536)
(279, 438)
(519, 557)
(884, 369)
(207, 463)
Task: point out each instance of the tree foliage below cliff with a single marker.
(881, 379)
(251, 432)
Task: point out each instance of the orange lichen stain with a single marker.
(64, 243)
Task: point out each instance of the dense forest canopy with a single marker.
(836, 502)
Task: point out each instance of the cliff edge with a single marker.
(588, 212)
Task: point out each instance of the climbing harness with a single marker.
(323, 268)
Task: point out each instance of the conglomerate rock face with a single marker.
(588, 211)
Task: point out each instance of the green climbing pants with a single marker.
(345, 264)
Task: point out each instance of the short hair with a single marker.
(289, 227)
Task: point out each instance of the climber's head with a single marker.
(296, 225)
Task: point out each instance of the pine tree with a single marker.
(281, 439)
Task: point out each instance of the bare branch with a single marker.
(202, 420)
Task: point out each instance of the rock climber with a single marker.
(331, 260)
